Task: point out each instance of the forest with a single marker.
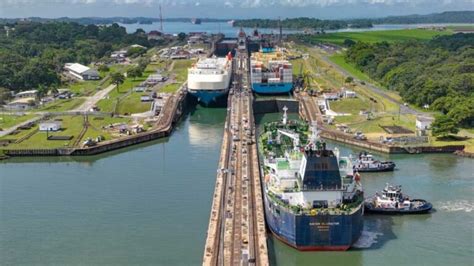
(438, 73)
(33, 54)
(302, 23)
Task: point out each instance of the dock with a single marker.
(236, 234)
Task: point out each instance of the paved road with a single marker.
(403, 109)
(11, 129)
(92, 100)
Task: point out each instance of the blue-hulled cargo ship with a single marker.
(270, 72)
(313, 201)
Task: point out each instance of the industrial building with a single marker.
(82, 72)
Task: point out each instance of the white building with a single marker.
(331, 96)
(21, 104)
(50, 126)
(349, 94)
(423, 123)
(82, 72)
(27, 94)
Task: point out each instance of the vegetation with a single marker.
(301, 23)
(438, 73)
(443, 126)
(34, 54)
(7, 121)
(117, 79)
(370, 36)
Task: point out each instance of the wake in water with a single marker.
(456, 206)
(367, 239)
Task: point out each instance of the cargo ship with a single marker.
(271, 72)
(196, 21)
(312, 199)
(209, 79)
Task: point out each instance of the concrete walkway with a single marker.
(92, 100)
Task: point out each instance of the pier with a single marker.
(236, 234)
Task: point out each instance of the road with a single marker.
(403, 109)
(92, 100)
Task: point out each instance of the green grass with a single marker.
(339, 60)
(132, 104)
(72, 126)
(85, 88)
(380, 36)
(170, 88)
(96, 127)
(359, 123)
(62, 105)
(181, 69)
(7, 121)
(350, 105)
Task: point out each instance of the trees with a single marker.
(437, 72)
(103, 68)
(181, 36)
(135, 72)
(349, 79)
(443, 126)
(35, 53)
(117, 79)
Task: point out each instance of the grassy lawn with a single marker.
(95, 129)
(381, 36)
(340, 61)
(7, 121)
(350, 105)
(132, 104)
(72, 126)
(359, 123)
(170, 88)
(62, 105)
(468, 143)
(86, 88)
(181, 69)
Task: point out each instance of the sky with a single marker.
(324, 9)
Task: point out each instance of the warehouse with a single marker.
(82, 72)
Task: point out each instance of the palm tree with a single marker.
(117, 79)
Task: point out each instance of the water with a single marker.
(149, 205)
(229, 31)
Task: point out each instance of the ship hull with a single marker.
(273, 88)
(209, 97)
(320, 232)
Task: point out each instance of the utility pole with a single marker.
(161, 20)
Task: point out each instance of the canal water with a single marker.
(230, 31)
(150, 204)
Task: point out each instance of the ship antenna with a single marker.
(285, 115)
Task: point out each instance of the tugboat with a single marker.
(367, 163)
(392, 201)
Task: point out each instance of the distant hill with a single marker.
(445, 17)
(99, 20)
(314, 23)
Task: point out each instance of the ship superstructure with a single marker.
(209, 79)
(271, 72)
(313, 201)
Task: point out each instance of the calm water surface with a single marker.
(149, 205)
